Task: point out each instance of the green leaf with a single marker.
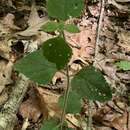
(124, 65)
(61, 25)
(70, 128)
(73, 104)
(50, 26)
(63, 9)
(57, 50)
(90, 83)
(50, 125)
(36, 67)
(72, 28)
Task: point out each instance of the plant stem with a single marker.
(89, 115)
(65, 97)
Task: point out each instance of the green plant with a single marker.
(41, 65)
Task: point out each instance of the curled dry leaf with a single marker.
(48, 102)
(118, 6)
(4, 51)
(72, 121)
(8, 22)
(83, 43)
(120, 122)
(3, 97)
(94, 9)
(5, 73)
(30, 109)
(124, 40)
(34, 22)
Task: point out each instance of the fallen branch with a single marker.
(8, 114)
(99, 26)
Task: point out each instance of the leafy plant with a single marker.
(41, 65)
(124, 65)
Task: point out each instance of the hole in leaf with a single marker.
(4, 75)
(89, 39)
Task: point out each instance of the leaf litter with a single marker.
(114, 38)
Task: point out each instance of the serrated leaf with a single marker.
(71, 28)
(50, 26)
(90, 83)
(57, 50)
(73, 105)
(124, 65)
(36, 67)
(50, 125)
(63, 9)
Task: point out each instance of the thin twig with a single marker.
(65, 97)
(90, 102)
(98, 31)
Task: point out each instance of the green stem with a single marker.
(65, 98)
(89, 126)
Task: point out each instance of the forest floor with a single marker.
(20, 23)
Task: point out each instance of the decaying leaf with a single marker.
(5, 73)
(34, 22)
(83, 43)
(118, 6)
(48, 102)
(4, 50)
(124, 40)
(30, 109)
(8, 21)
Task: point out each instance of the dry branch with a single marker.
(8, 114)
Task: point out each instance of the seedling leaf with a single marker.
(36, 67)
(124, 65)
(90, 83)
(50, 26)
(73, 104)
(50, 125)
(57, 50)
(71, 28)
(63, 9)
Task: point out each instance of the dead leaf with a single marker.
(8, 22)
(72, 121)
(30, 109)
(3, 97)
(48, 102)
(118, 6)
(5, 73)
(94, 9)
(34, 22)
(4, 50)
(119, 123)
(82, 43)
(124, 40)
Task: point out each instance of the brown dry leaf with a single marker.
(118, 6)
(83, 43)
(34, 22)
(102, 128)
(30, 109)
(124, 40)
(120, 123)
(3, 97)
(94, 9)
(4, 50)
(122, 1)
(8, 22)
(72, 121)
(5, 73)
(48, 102)
(58, 76)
